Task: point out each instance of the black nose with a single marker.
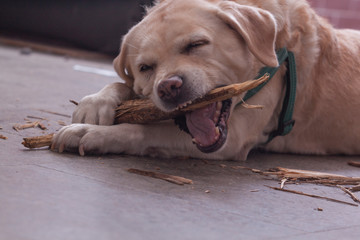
(169, 89)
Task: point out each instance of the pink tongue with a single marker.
(201, 125)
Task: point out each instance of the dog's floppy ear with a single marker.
(256, 26)
(121, 65)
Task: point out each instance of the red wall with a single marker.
(341, 13)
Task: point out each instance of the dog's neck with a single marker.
(285, 123)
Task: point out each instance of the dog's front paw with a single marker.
(95, 109)
(84, 138)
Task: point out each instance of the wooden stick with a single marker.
(170, 178)
(143, 111)
(311, 195)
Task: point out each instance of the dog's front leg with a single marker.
(163, 139)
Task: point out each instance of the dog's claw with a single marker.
(81, 150)
(61, 147)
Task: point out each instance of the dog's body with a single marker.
(184, 48)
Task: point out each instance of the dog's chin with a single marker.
(207, 126)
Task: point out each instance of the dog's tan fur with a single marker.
(243, 36)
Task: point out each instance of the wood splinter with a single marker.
(312, 195)
(170, 178)
(351, 194)
(141, 111)
(3, 137)
(354, 163)
(306, 176)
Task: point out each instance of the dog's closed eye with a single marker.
(145, 68)
(196, 44)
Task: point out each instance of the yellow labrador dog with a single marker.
(184, 48)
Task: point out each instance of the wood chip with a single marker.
(170, 178)
(311, 176)
(283, 181)
(305, 176)
(18, 127)
(354, 163)
(74, 102)
(222, 165)
(35, 124)
(207, 162)
(313, 196)
(42, 126)
(249, 106)
(3, 137)
(38, 142)
(38, 118)
(247, 168)
(355, 188)
(352, 195)
(61, 123)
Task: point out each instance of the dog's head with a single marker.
(183, 49)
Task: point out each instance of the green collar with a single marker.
(286, 122)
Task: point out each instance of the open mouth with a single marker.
(207, 126)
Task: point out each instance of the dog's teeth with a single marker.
(217, 131)
(187, 103)
(216, 116)
(217, 112)
(197, 142)
(183, 105)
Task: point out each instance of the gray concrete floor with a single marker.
(46, 195)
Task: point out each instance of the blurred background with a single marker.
(92, 25)
(341, 13)
(97, 26)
